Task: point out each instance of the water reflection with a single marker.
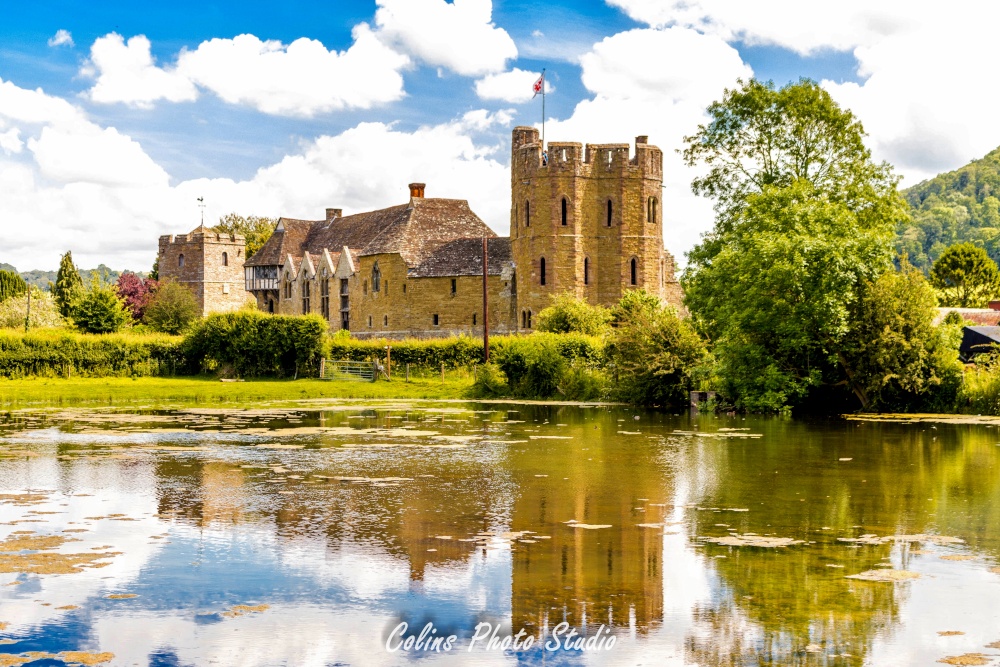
(348, 520)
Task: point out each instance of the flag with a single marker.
(539, 86)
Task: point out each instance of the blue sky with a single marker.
(114, 118)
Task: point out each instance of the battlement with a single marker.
(530, 158)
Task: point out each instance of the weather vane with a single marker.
(201, 205)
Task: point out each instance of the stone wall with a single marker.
(212, 268)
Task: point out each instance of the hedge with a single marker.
(58, 352)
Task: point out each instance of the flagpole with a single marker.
(543, 108)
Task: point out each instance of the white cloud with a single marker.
(635, 94)
(804, 27)
(126, 72)
(95, 191)
(10, 141)
(300, 79)
(458, 35)
(514, 86)
(61, 38)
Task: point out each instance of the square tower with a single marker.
(208, 263)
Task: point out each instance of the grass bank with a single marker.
(155, 391)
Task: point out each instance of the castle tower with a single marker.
(586, 221)
(208, 263)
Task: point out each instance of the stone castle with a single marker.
(584, 219)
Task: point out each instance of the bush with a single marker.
(655, 355)
(257, 344)
(99, 310)
(532, 365)
(44, 312)
(171, 309)
(11, 285)
(490, 381)
(582, 382)
(50, 353)
(568, 314)
(135, 292)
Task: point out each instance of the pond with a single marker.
(499, 534)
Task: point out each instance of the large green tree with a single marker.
(171, 309)
(965, 276)
(100, 310)
(255, 229)
(805, 220)
(11, 285)
(68, 285)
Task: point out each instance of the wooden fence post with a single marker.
(442, 371)
(407, 371)
(322, 367)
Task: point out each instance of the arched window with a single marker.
(524, 319)
(527, 214)
(634, 271)
(586, 270)
(564, 211)
(610, 211)
(180, 260)
(529, 319)
(651, 210)
(376, 278)
(225, 259)
(541, 270)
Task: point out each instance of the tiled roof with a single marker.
(464, 257)
(415, 230)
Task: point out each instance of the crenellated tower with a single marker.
(586, 220)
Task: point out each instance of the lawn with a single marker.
(155, 391)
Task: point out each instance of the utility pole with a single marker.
(27, 317)
(486, 309)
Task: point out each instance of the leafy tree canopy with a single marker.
(569, 314)
(100, 310)
(255, 229)
(965, 276)
(11, 285)
(136, 292)
(172, 309)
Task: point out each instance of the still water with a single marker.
(306, 536)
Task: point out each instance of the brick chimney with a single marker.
(417, 190)
(333, 213)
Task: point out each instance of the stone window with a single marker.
(651, 210)
(474, 319)
(364, 287)
(610, 212)
(225, 259)
(369, 321)
(524, 319)
(564, 206)
(454, 286)
(404, 288)
(324, 296)
(288, 286)
(305, 296)
(385, 320)
(529, 319)
(527, 214)
(376, 278)
(541, 271)
(180, 260)
(270, 305)
(435, 319)
(634, 271)
(586, 270)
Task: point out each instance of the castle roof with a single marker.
(415, 230)
(464, 257)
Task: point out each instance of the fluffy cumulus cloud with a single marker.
(640, 88)
(94, 190)
(458, 35)
(921, 98)
(61, 38)
(515, 86)
(126, 72)
(299, 79)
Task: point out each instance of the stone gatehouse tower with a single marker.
(586, 220)
(209, 264)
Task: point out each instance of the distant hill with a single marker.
(42, 279)
(958, 206)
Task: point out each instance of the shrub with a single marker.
(582, 382)
(952, 318)
(44, 312)
(532, 365)
(99, 310)
(11, 285)
(171, 309)
(490, 381)
(53, 352)
(568, 314)
(136, 292)
(654, 353)
(257, 344)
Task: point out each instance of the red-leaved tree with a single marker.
(136, 292)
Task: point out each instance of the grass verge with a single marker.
(158, 391)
